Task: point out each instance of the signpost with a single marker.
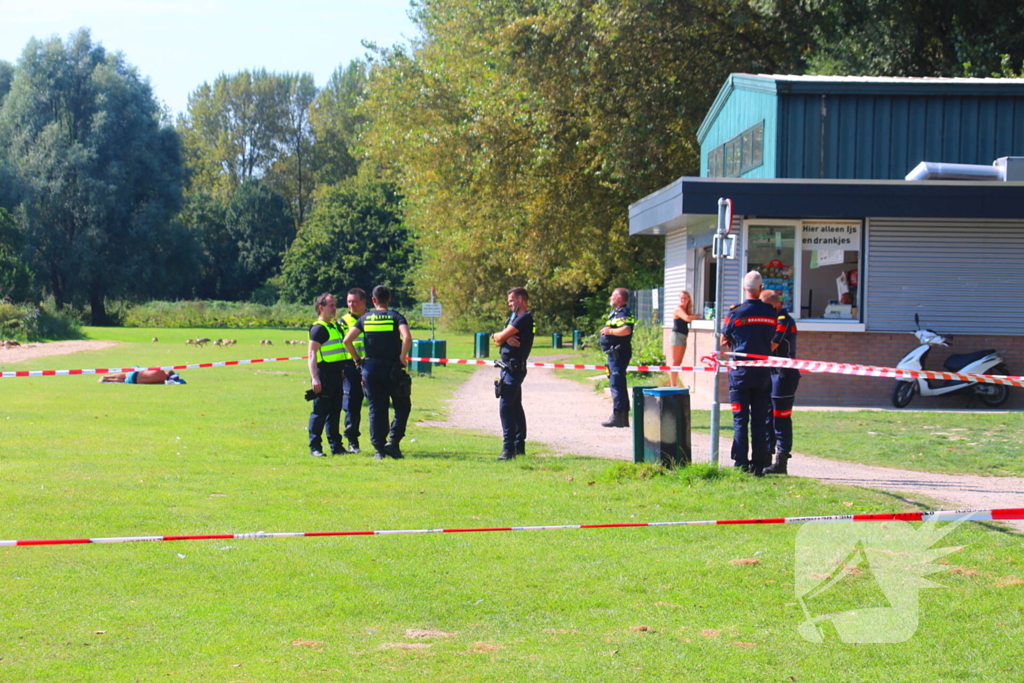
(432, 310)
(723, 247)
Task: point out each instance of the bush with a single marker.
(26, 323)
(227, 314)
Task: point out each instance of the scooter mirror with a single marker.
(917, 321)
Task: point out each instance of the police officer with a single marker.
(616, 342)
(352, 402)
(516, 342)
(749, 328)
(387, 342)
(784, 384)
(326, 356)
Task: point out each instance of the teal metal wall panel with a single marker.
(742, 110)
(874, 136)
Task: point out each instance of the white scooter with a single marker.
(987, 362)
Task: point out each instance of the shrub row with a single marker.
(229, 314)
(29, 323)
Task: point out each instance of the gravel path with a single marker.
(17, 354)
(566, 416)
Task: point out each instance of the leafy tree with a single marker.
(101, 176)
(16, 281)
(292, 173)
(253, 125)
(261, 228)
(6, 76)
(204, 218)
(354, 238)
(895, 38)
(233, 129)
(520, 132)
(337, 121)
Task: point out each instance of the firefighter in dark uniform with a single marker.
(516, 342)
(749, 328)
(352, 403)
(387, 342)
(784, 384)
(617, 343)
(326, 357)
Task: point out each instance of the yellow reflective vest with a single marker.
(332, 350)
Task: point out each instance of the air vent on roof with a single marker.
(1002, 169)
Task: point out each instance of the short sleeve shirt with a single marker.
(381, 335)
(526, 327)
(620, 317)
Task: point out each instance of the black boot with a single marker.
(780, 464)
(619, 418)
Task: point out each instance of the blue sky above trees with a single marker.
(179, 44)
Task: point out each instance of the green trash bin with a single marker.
(577, 340)
(427, 348)
(556, 340)
(481, 345)
(666, 426)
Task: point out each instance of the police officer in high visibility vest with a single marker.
(616, 342)
(326, 355)
(749, 328)
(784, 384)
(352, 403)
(387, 344)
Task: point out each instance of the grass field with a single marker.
(226, 453)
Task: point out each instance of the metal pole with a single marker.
(723, 230)
(433, 298)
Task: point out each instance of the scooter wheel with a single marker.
(993, 395)
(903, 392)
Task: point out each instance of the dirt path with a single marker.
(38, 350)
(566, 416)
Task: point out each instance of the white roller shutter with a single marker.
(960, 276)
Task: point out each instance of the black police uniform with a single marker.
(382, 361)
(619, 351)
(326, 411)
(749, 328)
(352, 403)
(784, 384)
(510, 403)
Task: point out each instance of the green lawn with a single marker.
(226, 453)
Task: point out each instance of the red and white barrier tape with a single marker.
(104, 371)
(441, 361)
(938, 516)
(710, 362)
(562, 366)
(867, 370)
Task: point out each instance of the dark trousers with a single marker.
(510, 408)
(326, 413)
(352, 402)
(618, 361)
(380, 392)
(780, 419)
(750, 396)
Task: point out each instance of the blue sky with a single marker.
(179, 44)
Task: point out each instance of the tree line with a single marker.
(255, 193)
(500, 148)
